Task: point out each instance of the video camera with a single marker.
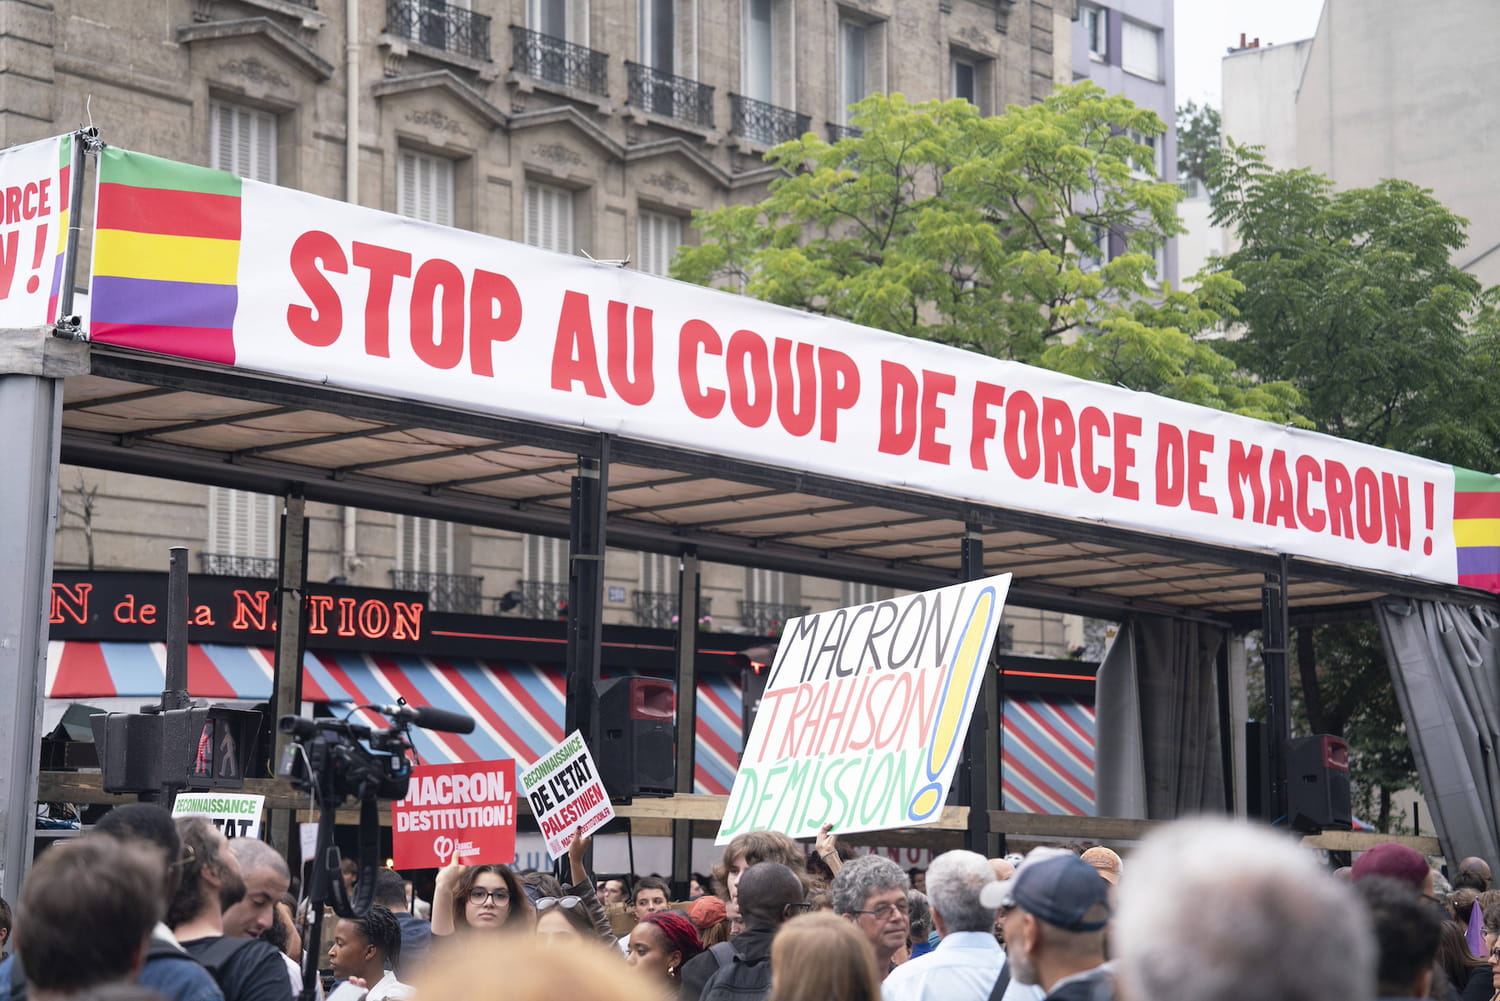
(336, 760)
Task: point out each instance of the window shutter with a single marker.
(1140, 50)
(659, 237)
(549, 218)
(242, 141)
(424, 187)
(659, 573)
(424, 545)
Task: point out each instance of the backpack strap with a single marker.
(1001, 982)
(218, 952)
(724, 953)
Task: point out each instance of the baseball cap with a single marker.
(1392, 859)
(1105, 862)
(1060, 891)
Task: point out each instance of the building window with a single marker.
(659, 35)
(424, 187)
(767, 71)
(424, 545)
(1092, 255)
(549, 217)
(241, 523)
(1140, 50)
(567, 19)
(971, 76)
(964, 82)
(854, 54)
(1095, 31)
(859, 594)
(1155, 145)
(861, 62)
(657, 239)
(242, 141)
(545, 560)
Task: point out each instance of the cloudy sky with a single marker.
(1205, 28)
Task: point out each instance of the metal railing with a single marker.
(765, 617)
(543, 599)
(765, 123)
(440, 25)
(446, 592)
(672, 96)
(658, 609)
(837, 132)
(230, 565)
(559, 61)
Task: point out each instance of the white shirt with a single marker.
(390, 989)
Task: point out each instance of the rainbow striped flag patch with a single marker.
(166, 257)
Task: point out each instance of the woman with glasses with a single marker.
(659, 944)
(483, 898)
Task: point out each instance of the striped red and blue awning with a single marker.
(517, 707)
(1047, 756)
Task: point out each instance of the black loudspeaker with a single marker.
(637, 725)
(1317, 780)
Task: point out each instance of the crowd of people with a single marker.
(146, 908)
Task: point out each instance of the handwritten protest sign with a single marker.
(33, 230)
(236, 814)
(468, 808)
(566, 794)
(863, 719)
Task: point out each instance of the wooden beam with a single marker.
(653, 818)
(1358, 841)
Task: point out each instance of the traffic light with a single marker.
(200, 747)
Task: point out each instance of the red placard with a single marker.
(469, 808)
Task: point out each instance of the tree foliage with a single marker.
(1352, 297)
(1197, 140)
(986, 234)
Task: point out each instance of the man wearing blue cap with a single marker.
(1053, 916)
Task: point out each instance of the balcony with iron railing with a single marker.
(230, 565)
(535, 599)
(559, 61)
(765, 618)
(443, 26)
(837, 132)
(764, 123)
(446, 592)
(670, 96)
(659, 609)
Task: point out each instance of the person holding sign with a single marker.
(480, 898)
(367, 949)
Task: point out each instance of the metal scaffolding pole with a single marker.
(981, 749)
(687, 716)
(33, 364)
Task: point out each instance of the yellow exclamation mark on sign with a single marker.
(966, 673)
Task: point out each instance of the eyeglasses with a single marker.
(883, 912)
(185, 859)
(566, 903)
(801, 908)
(479, 895)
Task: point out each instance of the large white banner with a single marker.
(33, 230)
(336, 294)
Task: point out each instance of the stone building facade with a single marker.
(582, 126)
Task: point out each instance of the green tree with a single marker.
(1197, 140)
(986, 233)
(1353, 298)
